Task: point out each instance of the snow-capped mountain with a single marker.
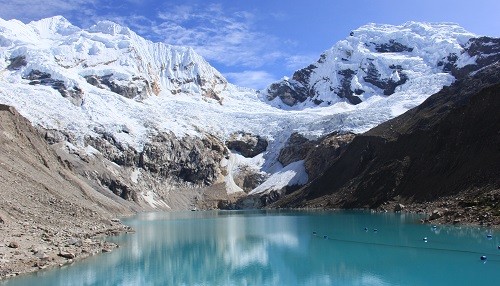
(107, 56)
(161, 112)
(376, 60)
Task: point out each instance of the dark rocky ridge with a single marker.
(37, 77)
(447, 146)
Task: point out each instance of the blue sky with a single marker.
(255, 42)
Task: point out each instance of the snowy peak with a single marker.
(57, 25)
(110, 28)
(375, 61)
(106, 56)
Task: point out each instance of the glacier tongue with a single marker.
(109, 80)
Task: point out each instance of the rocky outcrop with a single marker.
(289, 92)
(325, 152)
(317, 154)
(136, 88)
(296, 148)
(114, 150)
(17, 63)
(191, 159)
(75, 94)
(392, 47)
(445, 147)
(485, 51)
(387, 85)
(345, 90)
(247, 144)
(185, 159)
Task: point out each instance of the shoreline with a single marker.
(28, 249)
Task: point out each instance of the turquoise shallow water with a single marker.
(286, 248)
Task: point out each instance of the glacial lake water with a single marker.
(286, 248)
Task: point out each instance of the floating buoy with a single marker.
(484, 257)
(425, 239)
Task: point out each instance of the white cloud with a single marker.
(227, 37)
(27, 10)
(251, 78)
(296, 62)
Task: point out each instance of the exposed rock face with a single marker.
(289, 92)
(444, 147)
(247, 144)
(392, 47)
(194, 160)
(318, 154)
(325, 152)
(296, 148)
(345, 87)
(113, 150)
(486, 51)
(189, 159)
(388, 85)
(136, 88)
(37, 77)
(295, 90)
(17, 63)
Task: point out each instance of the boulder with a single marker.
(435, 214)
(398, 207)
(13, 244)
(66, 254)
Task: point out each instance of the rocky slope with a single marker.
(444, 150)
(48, 215)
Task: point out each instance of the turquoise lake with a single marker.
(286, 248)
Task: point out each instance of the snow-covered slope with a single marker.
(107, 82)
(375, 61)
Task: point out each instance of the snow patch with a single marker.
(135, 176)
(150, 198)
(293, 174)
